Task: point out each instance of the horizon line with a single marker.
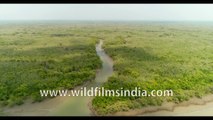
(89, 20)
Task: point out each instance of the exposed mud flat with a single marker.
(193, 107)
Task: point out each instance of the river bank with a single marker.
(193, 107)
(82, 106)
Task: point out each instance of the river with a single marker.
(80, 106)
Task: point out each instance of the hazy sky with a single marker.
(106, 12)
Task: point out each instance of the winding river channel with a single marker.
(81, 105)
(68, 105)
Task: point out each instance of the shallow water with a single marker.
(67, 106)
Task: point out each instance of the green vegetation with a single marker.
(157, 56)
(34, 57)
(149, 55)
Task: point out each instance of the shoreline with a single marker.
(171, 109)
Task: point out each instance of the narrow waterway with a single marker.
(67, 106)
